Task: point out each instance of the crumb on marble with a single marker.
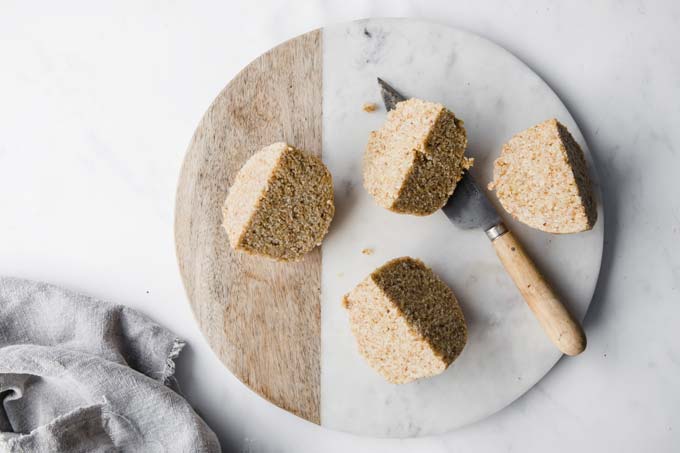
(367, 251)
(370, 107)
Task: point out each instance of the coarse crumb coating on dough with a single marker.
(413, 162)
(280, 204)
(541, 179)
(406, 320)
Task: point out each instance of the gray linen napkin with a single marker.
(81, 375)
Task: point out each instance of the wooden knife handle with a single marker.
(561, 327)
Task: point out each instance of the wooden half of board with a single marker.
(262, 318)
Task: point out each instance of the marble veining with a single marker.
(507, 353)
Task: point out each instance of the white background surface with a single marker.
(98, 103)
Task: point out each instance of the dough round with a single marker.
(413, 162)
(280, 204)
(541, 179)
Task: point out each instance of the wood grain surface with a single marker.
(261, 318)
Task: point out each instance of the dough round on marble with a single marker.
(412, 163)
(541, 179)
(280, 204)
(406, 320)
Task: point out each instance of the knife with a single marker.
(469, 208)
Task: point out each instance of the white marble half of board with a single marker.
(507, 352)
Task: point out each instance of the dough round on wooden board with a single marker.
(406, 320)
(541, 179)
(412, 163)
(280, 204)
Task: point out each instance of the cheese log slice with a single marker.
(541, 179)
(280, 204)
(413, 162)
(406, 321)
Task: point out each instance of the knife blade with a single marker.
(390, 96)
(469, 208)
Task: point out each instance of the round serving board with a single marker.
(280, 328)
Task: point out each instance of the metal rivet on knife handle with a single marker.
(496, 231)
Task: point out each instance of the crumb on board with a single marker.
(370, 107)
(367, 251)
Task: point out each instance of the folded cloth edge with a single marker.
(20, 295)
(168, 375)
